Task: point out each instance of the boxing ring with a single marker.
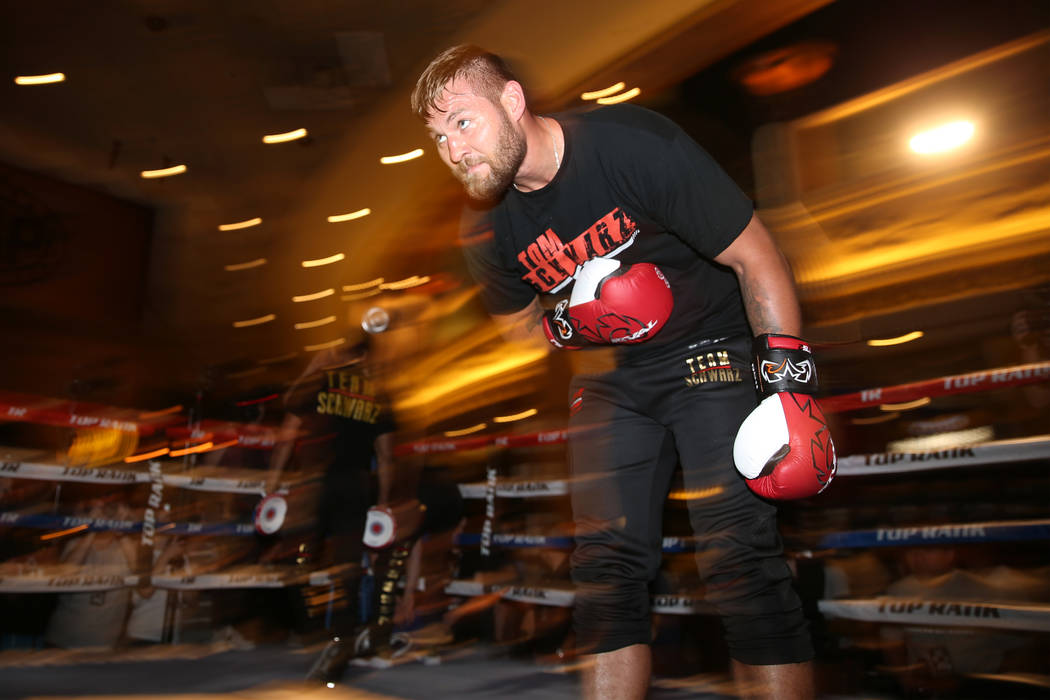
(161, 476)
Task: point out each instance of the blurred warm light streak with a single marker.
(279, 358)
(401, 158)
(222, 445)
(407, 283)
(695, 494)
(361, 295)
(245, 265)
(481, 368)
(872, 420)
(337, 218)
(466, 431)
(314, 324)
(622, 97)
(604, 92)
(247, 223)
(143, 456)
(325, 346)
(899, 340)
(203, 447)
(163, 172)
(943, 441)
(254, 321)
(149, 415)
(315, 296)
(285, 137)
(942, 138)
(46, 79)
(324, 261)
(893, 257)
(516, 416)
(923, 80)
(905, 406)
(63, 533)
(363, 285)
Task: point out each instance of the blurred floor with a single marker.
(275, 672)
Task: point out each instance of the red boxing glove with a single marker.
(610, 304)
(784, 447)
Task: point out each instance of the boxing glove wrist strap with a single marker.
(783, 363)
(559, 329)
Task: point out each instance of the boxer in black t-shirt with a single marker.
(646, 246)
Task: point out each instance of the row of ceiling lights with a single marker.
(610, 95)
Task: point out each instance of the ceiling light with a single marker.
(942, 138)
(325, 346)
(247, 223)
(335, 219)
(40, 79)
(163, 172)
(465, 431)
(285, 137)
(906, 406)
(516, 416)
(605, 92)
(314, 324)
(361, 295)
(254, 321)
(363, 285)
(245, 265)
(411, 155)
(407, 283)
(324, 261)
(899, 340)
(315, 296)
(622, 97)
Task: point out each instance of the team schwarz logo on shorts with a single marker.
(711, 367)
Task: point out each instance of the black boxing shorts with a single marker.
(629, 427)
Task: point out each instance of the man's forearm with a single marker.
(770, 301)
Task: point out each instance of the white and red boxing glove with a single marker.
(269, 514)
(610, 304)
(387, 524)
(784, 447)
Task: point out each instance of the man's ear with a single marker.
(513, 99)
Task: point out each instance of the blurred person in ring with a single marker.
(337, 396)
(645, 246)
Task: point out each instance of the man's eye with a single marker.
(463, 123)
(439, 139)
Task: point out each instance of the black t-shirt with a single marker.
(343, 409)
(632, 186)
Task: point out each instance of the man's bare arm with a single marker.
(385, 466)
(766, 282)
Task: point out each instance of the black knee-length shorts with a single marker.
(629, 428)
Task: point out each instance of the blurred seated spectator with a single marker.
(95, 618)
(149, 604)
(936, 658)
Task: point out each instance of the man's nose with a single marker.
(457, 148)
